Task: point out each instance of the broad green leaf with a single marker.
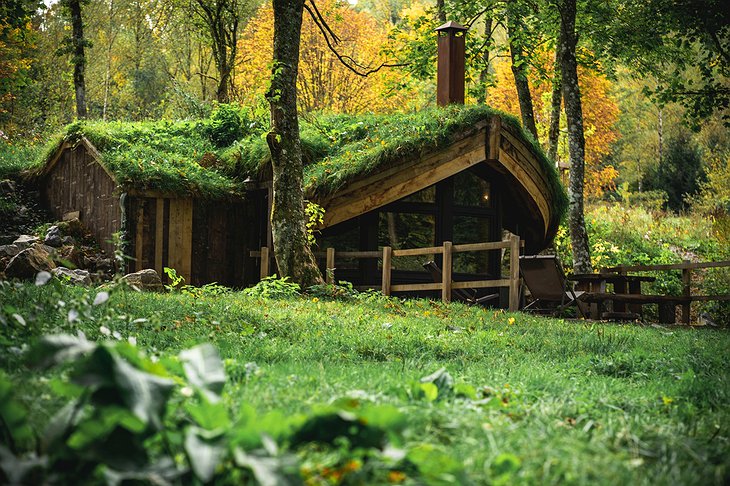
(429, 390)
(204, 369)
(465, 390)
(204, 454)
(162, 472)
(268, 470)
(97, 428)
(59, 348)
(208, 415)
(442, 379)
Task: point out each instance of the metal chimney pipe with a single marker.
(451, 49)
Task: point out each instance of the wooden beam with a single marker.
(264, 262)
(514, 270)
(393, 184)
(139, 240)
(495, 137)
(415, 287)
(159, 233)
(446, 272)
(418, 251)
(330, 266)
(180, 236)
(672, 266)
(387, 253)
(532, 187)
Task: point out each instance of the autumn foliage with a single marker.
(324, 83)
(600, 113)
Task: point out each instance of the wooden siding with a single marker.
(203, 241)
(76, 182)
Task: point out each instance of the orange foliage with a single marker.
(600, 113)
(323, 82)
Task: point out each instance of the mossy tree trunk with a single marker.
(288, 220)
(555, 104)
(576, 138)
(519, 71)
(78, 59)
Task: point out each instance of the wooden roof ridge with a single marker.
(90, 148)
(490, 142)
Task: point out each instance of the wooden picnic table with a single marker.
(623, 284)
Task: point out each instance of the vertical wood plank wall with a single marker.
(181, 237)
(78, 183)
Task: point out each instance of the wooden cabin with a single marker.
(487, 177)
(203, 239)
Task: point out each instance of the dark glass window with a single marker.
(407, 230)
(472, 191)
(471, 229)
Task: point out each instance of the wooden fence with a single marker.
(445, 286)
(686, 267)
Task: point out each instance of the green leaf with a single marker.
(204, 454)
(442, 379)
(465, 390)
(429, 391)
(209, 415)
(101, 425)
(59, 348)
(118, 382)
(204, 369)
(268, 470)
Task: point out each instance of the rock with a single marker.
(29, 262)
(76, 277)
(68, 240)
(73, 227)
(7, 186)
(53, 237)
(24, 241)
(145, 280)
(9, 250)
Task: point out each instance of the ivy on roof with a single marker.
(182, 158)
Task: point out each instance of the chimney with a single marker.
(450, 81)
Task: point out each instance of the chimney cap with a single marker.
(451, 26)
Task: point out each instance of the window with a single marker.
(407, 230)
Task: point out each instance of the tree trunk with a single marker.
(440, 13)
(519, 71)
(293, 255)
(79, 59)
(576, 138)
(556, 104)
(484, 74)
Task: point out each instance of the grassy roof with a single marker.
(180, 157)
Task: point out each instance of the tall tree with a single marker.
(516, 31)
(76, 46)
(555, 103)
(222, 19)
(293, 255)
(576, 138)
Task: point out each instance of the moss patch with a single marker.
(179, 157)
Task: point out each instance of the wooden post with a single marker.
(330, 266)
(387, 255)
(446, 273)
(139, 240)
(264, 262)
(159, 226)
(686, 291)
(514, 273)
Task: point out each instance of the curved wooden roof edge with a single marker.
(492, 143)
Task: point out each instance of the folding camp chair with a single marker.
(552, 293)
(468, 296)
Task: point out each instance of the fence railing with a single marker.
(686, 267)
(447, 250)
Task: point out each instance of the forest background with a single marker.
(653, 75)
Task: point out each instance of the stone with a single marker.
(24, 241)
(29, 262)
(9, 250)
(53, 237)
(68, 241)
(145, 280)
(72, 227)
(7, 187)
(76, 277)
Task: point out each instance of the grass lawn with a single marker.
(533, 401)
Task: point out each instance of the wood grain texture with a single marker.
(180, 237)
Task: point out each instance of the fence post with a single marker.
(514, 273)
(387, 254)
(264, 262)
(446, 272)
(686, 291)
(330, 267)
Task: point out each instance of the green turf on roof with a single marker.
(338, 149)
